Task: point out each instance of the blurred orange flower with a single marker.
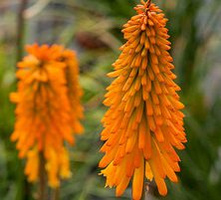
(144, 121)
(48, 110)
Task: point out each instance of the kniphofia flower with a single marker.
(144, 122)
(47, 111)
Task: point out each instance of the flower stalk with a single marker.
(21, 29)
(56, 194)
(42, 194)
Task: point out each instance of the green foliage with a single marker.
(93, 29)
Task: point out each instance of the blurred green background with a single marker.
(93, 29)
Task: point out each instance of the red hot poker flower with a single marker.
(144, 122)
(48, 110)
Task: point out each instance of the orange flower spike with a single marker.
(144, 122)
(48, 110)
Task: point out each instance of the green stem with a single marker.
(21, 29)
(56, 194)
(42, 193)
(144, 196)
(23, 187)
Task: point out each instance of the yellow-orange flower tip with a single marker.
(144, 122)
(47, 76)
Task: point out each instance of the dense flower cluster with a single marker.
(144, 122)
(48, 110)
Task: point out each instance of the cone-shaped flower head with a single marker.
(144, 122)
(48, 110)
